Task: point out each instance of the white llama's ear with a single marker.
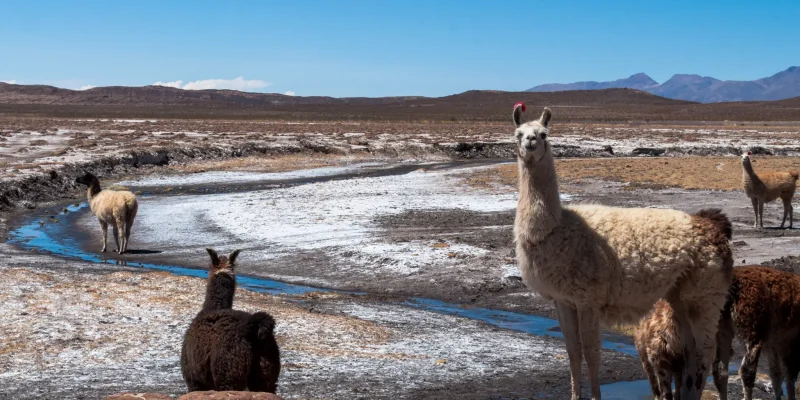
(544, 120)
(519, 108)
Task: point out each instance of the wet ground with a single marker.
(430, 257)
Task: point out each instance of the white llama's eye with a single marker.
(543, 135)
(519, 135)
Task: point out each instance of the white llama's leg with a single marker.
(755, 210)
(116, 235)
(119, 233)
(589, 327)
(568, 321)
(127, 234)
(104, 226)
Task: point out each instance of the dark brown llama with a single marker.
(226, 349)
(763, 310)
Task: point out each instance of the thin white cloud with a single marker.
(175, 84)
(13, 82)
(235, 84)
(87, 87)
(289, 93)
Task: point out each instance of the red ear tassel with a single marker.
(749, 153)
(520, 104)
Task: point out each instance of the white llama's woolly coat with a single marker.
(110, 206)
(620, 260)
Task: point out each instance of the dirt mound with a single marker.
(785, 263)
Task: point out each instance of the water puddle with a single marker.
(48, 236)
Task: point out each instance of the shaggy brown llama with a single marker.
(763, 310)
(661, 350)
(226, 349)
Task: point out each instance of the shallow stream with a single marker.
(58, 236)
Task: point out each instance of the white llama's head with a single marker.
(531, 136)
(746, 157)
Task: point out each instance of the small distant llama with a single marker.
(767, 187)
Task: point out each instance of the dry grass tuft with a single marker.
(719, 173)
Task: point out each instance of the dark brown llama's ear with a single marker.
(214, 257)
(232, 257)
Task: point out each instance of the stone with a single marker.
(139, 396)
(212, 395)
(647, 151)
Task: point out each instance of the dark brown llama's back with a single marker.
(231, 350)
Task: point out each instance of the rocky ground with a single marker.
(85, 330)
(40, 156)
(359, 221)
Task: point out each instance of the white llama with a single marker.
(612, 264)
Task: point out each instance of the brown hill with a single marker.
(167, 102)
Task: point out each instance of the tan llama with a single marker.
(767, 187)
(115, 207)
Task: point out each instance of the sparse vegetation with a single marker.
(717, 173)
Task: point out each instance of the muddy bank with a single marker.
(41, 158)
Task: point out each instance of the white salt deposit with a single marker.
(216, 177)
(338, 217)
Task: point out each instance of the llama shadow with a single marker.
(143, 252)
(779, 229)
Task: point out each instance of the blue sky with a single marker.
(390, 47)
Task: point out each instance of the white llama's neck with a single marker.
(539, 208)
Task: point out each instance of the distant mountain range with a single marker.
(702, 89)
(160, 102)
